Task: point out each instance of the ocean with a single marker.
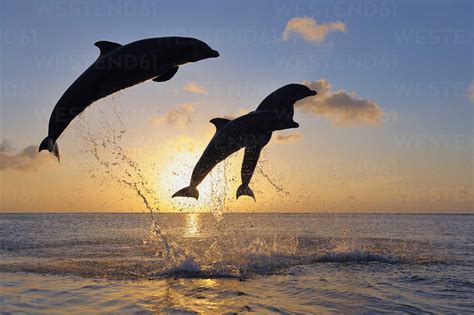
(264, 263)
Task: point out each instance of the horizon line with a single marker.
(237, 212)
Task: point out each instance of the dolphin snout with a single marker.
(294, 124)
(313, 92)
(214, 54)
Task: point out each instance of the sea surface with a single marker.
(264, 263)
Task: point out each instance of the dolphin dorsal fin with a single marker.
(106, 47)
(219, 122)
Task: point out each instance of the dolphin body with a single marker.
(119, 67)
(252, 132)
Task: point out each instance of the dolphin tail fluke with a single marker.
(189, 191)
(50, 145)
(245, 191)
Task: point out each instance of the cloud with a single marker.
(179, 116)
(291, 137)
(340, 107)
(27, 159)
(470, 91)
(310, 30)
(5, 147)
(194, 88)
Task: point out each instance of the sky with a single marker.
(391, 129)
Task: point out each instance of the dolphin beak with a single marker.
(314, 93)
(214, 54)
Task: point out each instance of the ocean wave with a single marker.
(244, 266)
(357, 256)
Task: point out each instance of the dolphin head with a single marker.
(293, 93)
(191, 50)
(282, 100)
(296, 92)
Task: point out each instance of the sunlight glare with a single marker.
(192, 225)
(176, 174)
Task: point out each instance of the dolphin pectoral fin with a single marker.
(189, 191)
(166, 75)
(245, 191)
(50, 145)
(106, 46)
(251, 156)
(219, 122)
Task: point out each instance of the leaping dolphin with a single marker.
(119, 67)
(252, 132)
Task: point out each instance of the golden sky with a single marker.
(391, 129)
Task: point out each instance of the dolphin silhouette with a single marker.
(252, 132)
(119, 67)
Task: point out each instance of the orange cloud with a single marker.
(340, 107)
(310, 30)
(26, 160)
(194, 88)
(291, 137)
(179, 116)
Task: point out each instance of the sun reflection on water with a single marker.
(192, 225)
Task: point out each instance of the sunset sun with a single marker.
(177, 174)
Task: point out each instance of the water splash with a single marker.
(261, 169)
(230, 255)
(105, 146)
(219, 188)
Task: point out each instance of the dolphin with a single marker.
(119, 67)
(252, 132)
